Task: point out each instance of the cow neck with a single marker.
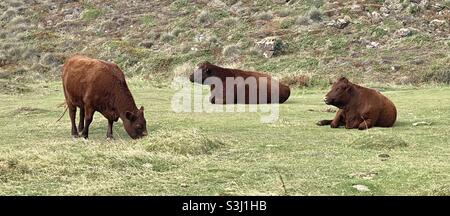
(354, 94)
(124, 100)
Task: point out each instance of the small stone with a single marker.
(341, 23)
(356, 8)
(437, 23)
(372, 45)
(147, 165)
(199, 37)
(438, 7)
(375, 17)
(361, 188)
(403, 32)
(395, 67)
(384, 10)
(364, 175)
(217, 4)
(417, 61)
(421, 123)
(383, 156)
(146, 44)
(424, 4)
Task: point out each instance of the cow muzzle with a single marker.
(325, 99)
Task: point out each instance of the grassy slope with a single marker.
(35, 38)
(224, 153)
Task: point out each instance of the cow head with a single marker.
(135, 123)
(203, 71)
(340, 93)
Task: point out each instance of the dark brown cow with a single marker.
(95, 85)
(359, 107)
(246, 87)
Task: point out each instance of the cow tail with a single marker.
(65, 110)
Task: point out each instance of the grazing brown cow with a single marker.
(359, 107)
(95, 85)
(233, 86)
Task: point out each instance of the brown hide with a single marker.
(246, 87)
(95, 85)
(359, 107)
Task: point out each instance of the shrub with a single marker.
(265, 16)
(315, 15)
(438, 76)
(147, 21)
(205, 18)
(231, 51)
(302, 20)
(166, 37)
(230, 21)
(287, 23)
(91, 13)
(284, 12)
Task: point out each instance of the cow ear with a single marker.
(130, 116)
(349, 89)
(142, 108)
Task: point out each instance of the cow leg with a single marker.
(353, 124)
(338, 119)
(89, 115)
(72, 114)
(109, 133)
(336, 122)
(81, 123)
(366, 123)
(324, 122)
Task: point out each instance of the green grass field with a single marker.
(225, 153)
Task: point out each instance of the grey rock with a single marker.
(375, 17)
(356, 8)
(361, 188)
(403, 32)
(372, 44)
(437, 23)
(438, 7)
(270, 46)
(146, 44)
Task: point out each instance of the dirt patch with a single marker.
(10, 168)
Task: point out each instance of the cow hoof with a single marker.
(334, 125)
(109, 138)
(75, 136)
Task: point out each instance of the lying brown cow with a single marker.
(95, 85)
(233, 86)
(359, 107)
